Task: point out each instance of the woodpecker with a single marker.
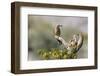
(57, 32)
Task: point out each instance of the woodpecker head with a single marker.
(59, 25)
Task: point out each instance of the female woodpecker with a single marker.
(57, 32)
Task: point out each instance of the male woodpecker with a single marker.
(57, 32)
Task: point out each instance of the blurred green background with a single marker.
(41, 33)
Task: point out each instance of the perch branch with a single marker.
(80, 41)
(62, 40)
(66, 45)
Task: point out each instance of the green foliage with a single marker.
(56, 53)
